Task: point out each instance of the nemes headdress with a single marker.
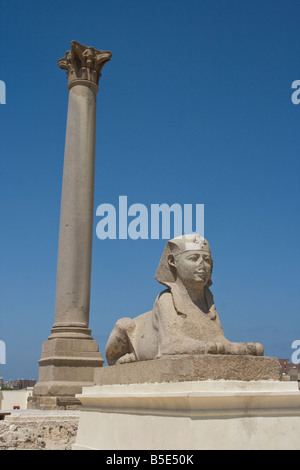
(165, 274)
(176, 246)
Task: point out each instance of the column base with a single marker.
(55, 403)
(67, 364)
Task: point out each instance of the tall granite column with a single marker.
(70, 354)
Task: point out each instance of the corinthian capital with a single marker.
(83, 63)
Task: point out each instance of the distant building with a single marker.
(284, 365)
(19, 384)
(290, 369)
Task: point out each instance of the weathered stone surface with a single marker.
(38, 431)
(66, 402)
(185, 368)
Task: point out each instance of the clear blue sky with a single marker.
(194, 107)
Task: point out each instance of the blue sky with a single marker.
(194, 108)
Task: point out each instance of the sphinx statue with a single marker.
(184, 319)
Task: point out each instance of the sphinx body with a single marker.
(184, 319)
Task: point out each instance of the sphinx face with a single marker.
(194, 268)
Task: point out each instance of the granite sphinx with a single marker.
(184, 319)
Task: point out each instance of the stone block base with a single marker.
(55, 403)
(191, 368)
(202, 415)
(67, 365)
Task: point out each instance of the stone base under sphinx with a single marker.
(190, 403)
(186, 368)
(203, 415)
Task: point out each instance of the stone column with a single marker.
(70, 355)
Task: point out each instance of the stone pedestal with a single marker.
(190, 368)
(70, 354)
(199, 402)
(196, 415)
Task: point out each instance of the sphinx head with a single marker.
(186, 259)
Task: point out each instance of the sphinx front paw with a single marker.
(213, 347)
(245, 349)
(126, 358)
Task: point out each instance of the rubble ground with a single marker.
(39, 431)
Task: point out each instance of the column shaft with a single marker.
(77, 202)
